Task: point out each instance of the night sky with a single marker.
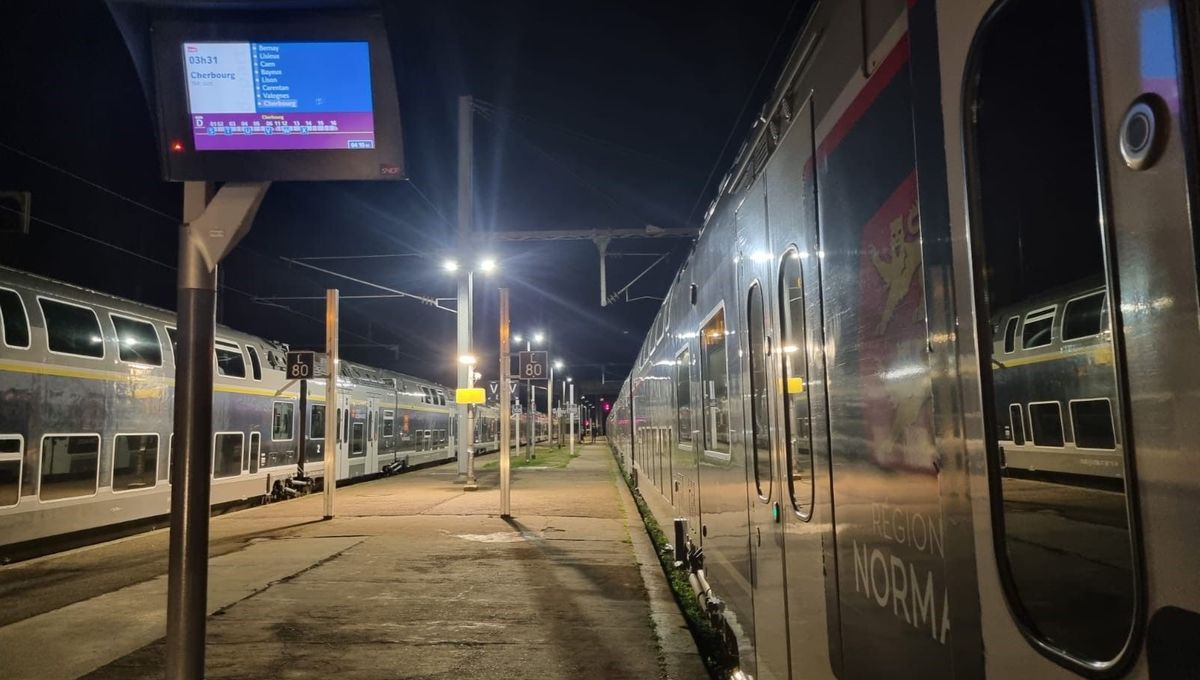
(595, 114)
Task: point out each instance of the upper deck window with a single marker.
(72, 329)
(14, 324)
(230, 361)
(1083, 317)
(137, 341)
(1038, 330)
(1010, 334)
(255, 365)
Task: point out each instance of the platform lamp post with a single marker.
(466, 294)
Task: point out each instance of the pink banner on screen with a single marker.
(283, 131)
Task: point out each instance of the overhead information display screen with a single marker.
(279, 96)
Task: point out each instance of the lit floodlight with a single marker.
(517, 338)
(570, 379)
(539, 337)
(468, 359)
(487, 265)
(450, 265)
(558, 364)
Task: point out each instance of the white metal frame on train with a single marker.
(1111, 422)
(99, 453)
(709, 453)
(1067, 311)
(28, 327)
(1038, 315)
(117, 334)
(292, 427)
(19, 456)
(112, 461)
(1033, 430)
(213, 453)
(46, 329)
(217, 346)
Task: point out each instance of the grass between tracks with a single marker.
(544, 456)
(709, 641)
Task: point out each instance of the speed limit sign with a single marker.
(532, 366)
(301, 365)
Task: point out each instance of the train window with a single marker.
(255, 365)
(683, 395)
(227, 454)
(70, 465)
(1039, 240)
(1083, 317)
(370, 425)
(137, 341)
(796, 407)
(345, 424)
(760, 405)
(135, 461)
(12, 454)
(230, 362)
(441, 400)
(173, 337)
(1038, 330)
(283, 420)
(72, 329)
(389, 423)
(337, 430)
(715, 377)
(428, 395)
(1010, 335)
(14, 322)
(358, 447)
(1016, 421)
(316, 422)
(254, 454)
(1045, 419)
(1092, 424)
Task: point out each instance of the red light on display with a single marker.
(606, 407)
(177, 145)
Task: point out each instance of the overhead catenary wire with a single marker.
(166, 265)
(175, 220)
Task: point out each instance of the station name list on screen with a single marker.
(279, 96)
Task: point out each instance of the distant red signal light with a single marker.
(177, 145)
(607, 406)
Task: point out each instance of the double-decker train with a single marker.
(922, 401)
(86, 393)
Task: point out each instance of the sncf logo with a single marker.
(388, 169)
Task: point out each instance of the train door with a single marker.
(343, 438)
(804, 496)
(372, 435)
(1093, 566)
(764, 488)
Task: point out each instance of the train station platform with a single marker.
(414, 578)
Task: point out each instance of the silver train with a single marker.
(86, 393)
(949, 285)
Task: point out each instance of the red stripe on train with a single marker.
(882, 77)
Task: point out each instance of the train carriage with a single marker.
(86, 389)
(947, 209)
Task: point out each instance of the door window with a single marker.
(796, 408)
(1039, 239)
(715, 374)
(760, 436)
(683, 395)
(227, 454)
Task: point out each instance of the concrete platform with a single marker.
(415, 578)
